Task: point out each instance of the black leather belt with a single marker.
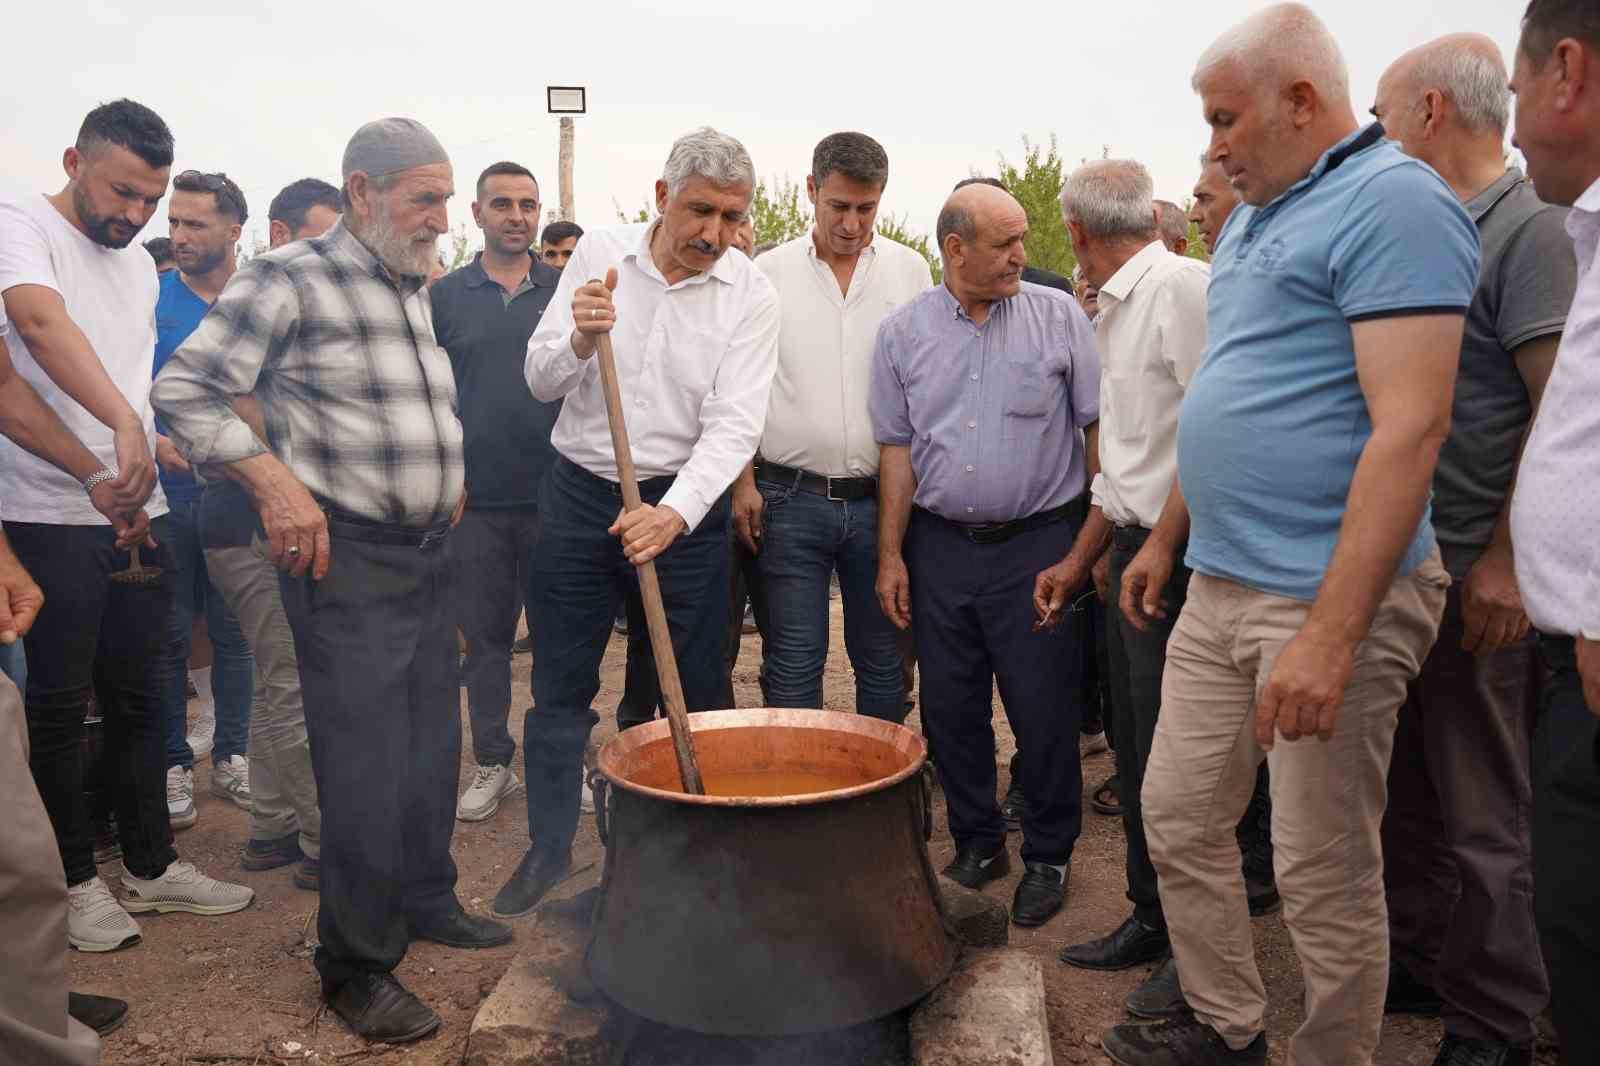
(1129, 538)
(366, 531)
(834, 488)
(999, 532)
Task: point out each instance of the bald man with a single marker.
(980, 387)
(1306, 452)
(1460, 792)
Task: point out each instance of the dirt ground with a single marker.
(206, 989)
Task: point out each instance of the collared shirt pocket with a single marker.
(1030, 391)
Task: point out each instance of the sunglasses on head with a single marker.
(213, 183)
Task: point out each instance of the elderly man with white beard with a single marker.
(362, 485)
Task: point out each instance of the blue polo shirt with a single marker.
(178, 312)
(1274, 420)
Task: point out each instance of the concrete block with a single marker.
(529, 1020)
(976, 920)
(989, 1013)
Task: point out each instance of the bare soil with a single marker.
(241, 987)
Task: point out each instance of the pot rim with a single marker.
(891, 733)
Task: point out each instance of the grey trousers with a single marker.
(491, 552)
(283, 790)
(34, 1027)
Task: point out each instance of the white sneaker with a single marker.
(1092, 744)
(230, 779)
(204, 729)
(586, 798)
(181, 811)
(96, 921)
(183, 888)
(490, 784)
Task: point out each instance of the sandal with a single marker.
(1108, 797)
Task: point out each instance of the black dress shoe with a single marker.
(1185, 1042)
(378, 1008)
(974, 869)
(1132, 943)
(1039, 894)
(455, 928)
(536, 875)
(1160, 997)
(1013, 808)
(271, 854)
(1407, 995)
(1262, 895)
(100, 1013)
(1460, 1051)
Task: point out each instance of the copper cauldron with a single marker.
(768, 915)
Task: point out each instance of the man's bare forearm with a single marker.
(1172, 528)
(34, 426)
(1393, 479)
(263, 475)
(66, 356)
(896, 487)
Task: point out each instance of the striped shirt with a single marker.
(359, 400)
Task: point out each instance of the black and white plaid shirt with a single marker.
(359, 400)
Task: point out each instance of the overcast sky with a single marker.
(270, 91)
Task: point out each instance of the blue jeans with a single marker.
(14, 664)
(578, 575)
(805, 538)
(233, 678)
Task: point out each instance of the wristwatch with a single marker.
(105, 473)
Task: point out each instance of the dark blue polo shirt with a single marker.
(485, 331)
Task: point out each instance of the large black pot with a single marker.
(768, 916)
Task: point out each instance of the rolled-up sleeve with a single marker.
(253, 321)
(886, 395)
(552, 369)
(734, 412)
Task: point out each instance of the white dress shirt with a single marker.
(694, 365)
(1151, 331)
(1555, 509)
(817, 417)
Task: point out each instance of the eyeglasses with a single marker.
(218, 183)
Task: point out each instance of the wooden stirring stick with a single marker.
(655, 611)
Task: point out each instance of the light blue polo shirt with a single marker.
(1274, 420)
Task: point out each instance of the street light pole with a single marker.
(568, 212)
(566, 101)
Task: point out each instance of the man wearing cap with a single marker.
(357, 495)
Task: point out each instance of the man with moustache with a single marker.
(483, 315)
(285, 819)
(807, 506)
(82, 302)
(1214, 201)
(357, 496)
(206, 213)
(696, 333)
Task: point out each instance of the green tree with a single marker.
(1037, 187)
(460, 248)
(895, 229)
(643, 214)
(781, 214)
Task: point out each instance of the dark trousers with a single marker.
(493, 555)
(1094, 687)
(1566, 862)
(96, 636)
(806, 538)
(376, 642)
(579, 574)
(1458, 868)
(972, 619)
(233, 678)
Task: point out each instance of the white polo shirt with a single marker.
(817, 416)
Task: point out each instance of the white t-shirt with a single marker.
(111, 295)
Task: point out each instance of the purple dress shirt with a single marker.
(992, 413)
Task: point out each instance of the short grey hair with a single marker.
(1172, 220)
(1472, 78)
(1110, 198)
(1277, 47)
(705, 153)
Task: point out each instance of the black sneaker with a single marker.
(1160, 997)
(378, 1008)
(1185, 1042)
(535, 876)
(1460, 1051)
(100, 1013)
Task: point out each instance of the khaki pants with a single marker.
(1327, 805)
(34, 1027)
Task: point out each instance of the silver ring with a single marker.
(294, 550)
(594, 313)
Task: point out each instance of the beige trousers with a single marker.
(1328, 800)
(34, 1027)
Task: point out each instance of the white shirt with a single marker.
(1151, 330)
(694, 366)
(1555, 509)
(111, 296)
(817, 418)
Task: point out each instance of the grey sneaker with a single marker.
(181, 810)
(230, 779)
(490, 784)
(183, 888)
(95, 920)
(204, 732)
